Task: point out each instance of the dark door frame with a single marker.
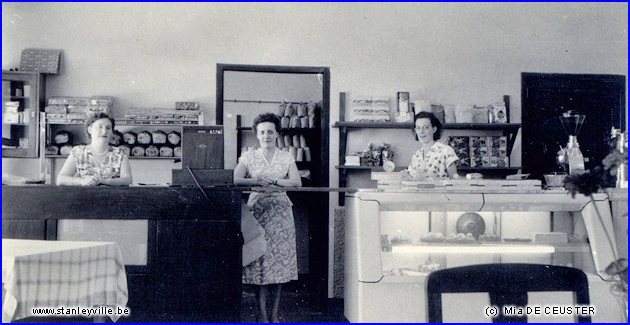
(614, 84)
(318, 226)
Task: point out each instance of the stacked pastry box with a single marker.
(480, 151)
(71, 110)
(370, 109)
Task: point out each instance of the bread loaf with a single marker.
(137, 151)
(296, 141)
(116, 139)
(307, 154)
(130, 138)
(158, 137)
(125, 149)
(284, 122)
(65, 150)
(300, 154)
(295, 122)
(279, 142)
(302, 141)
(301, 110)
(63, 137)
(174, 138)
(52, 150)
(304, 122)
(177, 151)
(144, 137)
(152, 151)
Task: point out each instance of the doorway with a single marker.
(545, 96)
(244, 91)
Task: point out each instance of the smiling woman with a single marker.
(96, 163)
(434, 160)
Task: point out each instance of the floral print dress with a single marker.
(87, 165)
(274, 212)
(432, 163)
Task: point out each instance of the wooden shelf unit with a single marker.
(509, 130)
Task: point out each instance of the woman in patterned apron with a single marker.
(272, 168)
(98, 162)
(434, 160)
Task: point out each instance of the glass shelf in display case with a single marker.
(395, 238)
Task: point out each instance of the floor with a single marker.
(295, 307)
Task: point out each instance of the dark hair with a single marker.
(434, 123)
(91, 118)
(266, 117)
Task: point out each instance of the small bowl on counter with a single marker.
(555, 181)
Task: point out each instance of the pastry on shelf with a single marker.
(399, 239)
(429, 266)
(460, 238)
(490, 238)
(432, 237)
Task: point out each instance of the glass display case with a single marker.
(395, 238)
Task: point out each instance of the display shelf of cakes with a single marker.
(438, 243)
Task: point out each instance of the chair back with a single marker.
(507, 284)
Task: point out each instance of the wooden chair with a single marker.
(507, 285)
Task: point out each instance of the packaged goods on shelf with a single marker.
(10, 114)
(462, 149)
(187, 106)
(370, 109)
(499, 112)
(65, 100)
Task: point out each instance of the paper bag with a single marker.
(254, 243)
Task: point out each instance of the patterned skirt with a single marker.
(279, 264)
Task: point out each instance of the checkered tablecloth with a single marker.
(48, 273)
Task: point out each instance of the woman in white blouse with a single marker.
(434, 160)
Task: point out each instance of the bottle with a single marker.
(621, 144)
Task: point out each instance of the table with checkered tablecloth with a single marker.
(48, 273)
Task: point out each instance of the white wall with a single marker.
(153, 54)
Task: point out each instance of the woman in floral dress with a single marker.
(434, 160)
(98, 162)
(270, 167)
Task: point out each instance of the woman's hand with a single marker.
(406, 176)
(267, 181)
(90, 180)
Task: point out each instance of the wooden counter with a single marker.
(193, 270)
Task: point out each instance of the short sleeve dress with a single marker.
(432, 163)
(87, 164)
(274, 212)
